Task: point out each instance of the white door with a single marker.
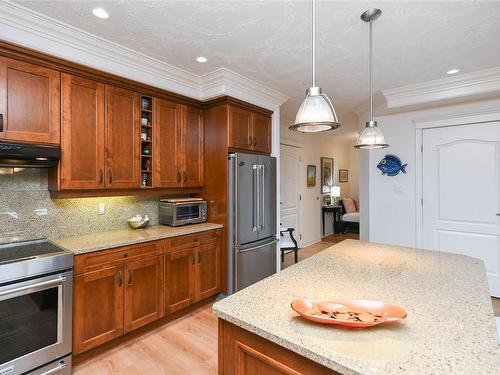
(461, 192)
(290, 189)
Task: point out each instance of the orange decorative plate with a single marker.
(356, 313)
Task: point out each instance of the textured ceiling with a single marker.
(269, 41)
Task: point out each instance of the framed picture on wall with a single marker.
(311, 176)
(343, 175)
(326, 175)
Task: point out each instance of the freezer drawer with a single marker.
(254, 264)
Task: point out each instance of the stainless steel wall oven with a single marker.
(36, 297)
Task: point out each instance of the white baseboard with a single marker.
(310, 242)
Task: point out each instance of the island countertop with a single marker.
(91, 242)
(450, 327)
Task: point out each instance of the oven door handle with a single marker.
(56, 281)
(58, 368)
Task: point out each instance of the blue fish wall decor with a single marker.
(391, 165)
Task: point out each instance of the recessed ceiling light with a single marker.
(100, 13)
(201, 59)
(452, 71)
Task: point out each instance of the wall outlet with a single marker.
(101, 209)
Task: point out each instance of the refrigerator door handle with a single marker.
(263, 183)
(256, 198)
(258, 246)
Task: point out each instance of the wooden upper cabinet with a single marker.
(261, 133)
(167, 145)
(123, 138)
(208, 270)
(240, 128)
(143, 292)
(192, 147)
(29, 102)
(98, 308)
(249, 130)
(82, 134)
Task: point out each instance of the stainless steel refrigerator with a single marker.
(252, 219)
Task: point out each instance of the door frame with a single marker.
(470, 118)
(299, 146)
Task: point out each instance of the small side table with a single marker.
(338, 225)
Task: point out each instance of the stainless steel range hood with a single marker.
(23, 155)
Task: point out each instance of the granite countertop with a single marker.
(450, 327)
(105, 240)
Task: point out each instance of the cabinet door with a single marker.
(122, 138)
(240, 128)
(29, 102)
(179, 279)
(192, 147)
(207, 270)
(261, 133)
(143, 292)
(98, 308)
(167, 140)
(82, 133)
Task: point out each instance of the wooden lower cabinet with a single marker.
(207, 270)
(98, 308)
(179, 279)
(143, 292)
(244, 353)
(119, 290)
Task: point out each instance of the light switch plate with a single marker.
(101, 209)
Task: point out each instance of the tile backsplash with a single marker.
(28, 212)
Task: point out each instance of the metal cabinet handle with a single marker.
(184, 179)
(250, 141)
(1, 122)
(58, 368)
(130, 277)
(192, 259)
(101, 176)
(498, 214)
(199, 256)
(120, 278)
(254, 141)
(178, 176)
(110, 180)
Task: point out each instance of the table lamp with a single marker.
(335, 193)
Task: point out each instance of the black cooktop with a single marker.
(25, 250)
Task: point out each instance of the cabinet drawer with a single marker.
(111, 257)
(194, 239)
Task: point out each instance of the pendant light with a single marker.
(316, 113)
(371, 137)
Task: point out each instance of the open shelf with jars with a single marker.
(146, 141)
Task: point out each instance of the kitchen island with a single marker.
(450, 327)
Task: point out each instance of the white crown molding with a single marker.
(463, 86)
(25, 27)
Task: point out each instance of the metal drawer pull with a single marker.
(59, 280)
(59, 367)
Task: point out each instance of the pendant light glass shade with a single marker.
(316, 113)
(371, 137)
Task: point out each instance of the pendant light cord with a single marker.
(313, 43)
(371, 70)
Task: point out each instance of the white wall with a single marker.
(388, 204)
(315, 146)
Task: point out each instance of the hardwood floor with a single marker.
(187, 346)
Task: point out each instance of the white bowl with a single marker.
(138, 224)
